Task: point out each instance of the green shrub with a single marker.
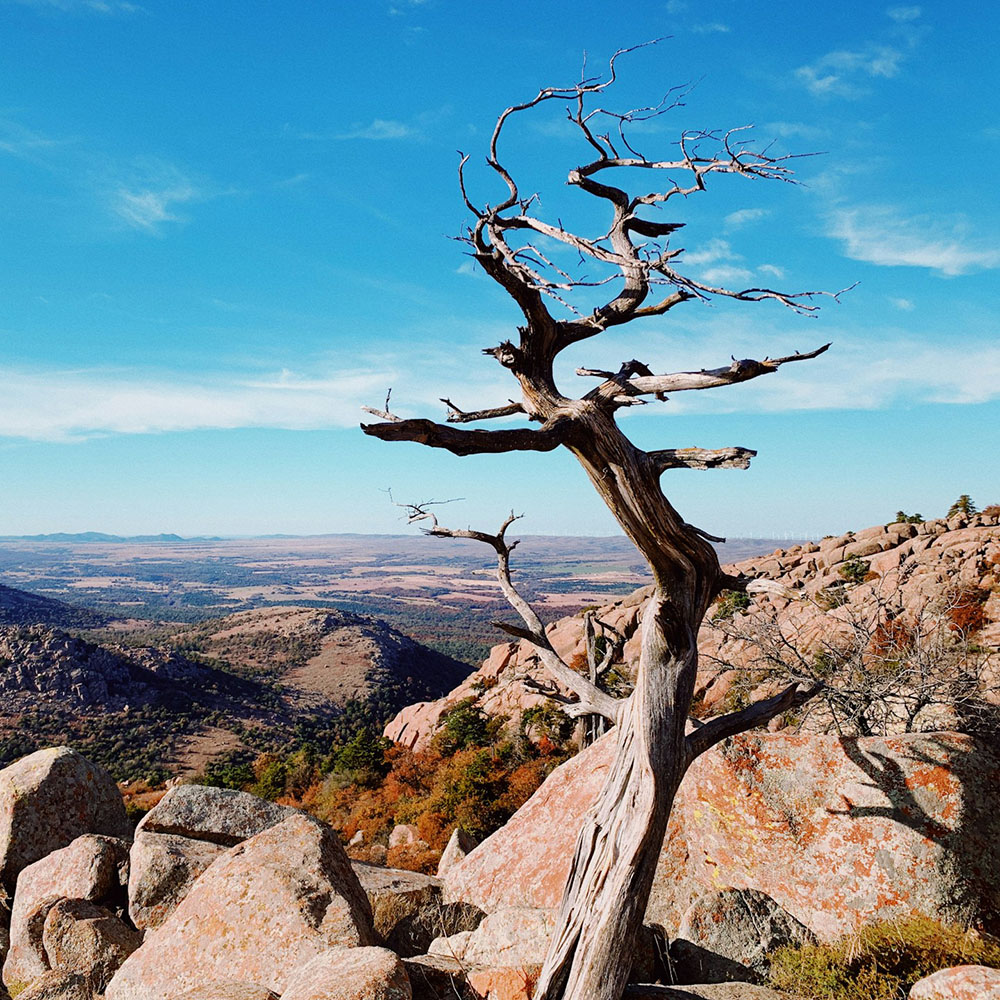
(466, 725)
(834, 596)
(880, 962)
(730, 601)
(854, 570)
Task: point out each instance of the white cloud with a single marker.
(844, 72)
(713, 251)
(711, 28)
(22, 142)
(878, 234)
(146, 192)
(745, 216)
(106, 7)
(380, 129)
(864, 370)
(837, 73)
(74, 405)
(148, 209)
(796, 130)
(726, 274)
(772, 270)
(905, 305)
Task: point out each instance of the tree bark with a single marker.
(617, 849)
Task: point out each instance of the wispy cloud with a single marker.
(24, 143)
(846, 72)
(795, 130)
(712, 252)
(838, 73)
(880, 234)
(744, 216)
(869, 370)
(107, 7)
(726, 274)
(716, 263)
(75, 405)
(379, 129)
(149, 209)
(904, 305)
(711, 28)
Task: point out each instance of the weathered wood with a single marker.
(618, 846)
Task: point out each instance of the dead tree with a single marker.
(585, 700)
(617, 850)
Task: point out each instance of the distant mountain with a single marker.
(256, 681)
(100, 536)
(19, 607)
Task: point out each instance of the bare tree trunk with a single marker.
(619, 844)
(618, 847)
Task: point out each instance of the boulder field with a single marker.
(219, 895)
(918, 566)
(838, 832)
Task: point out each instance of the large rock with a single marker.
(162, 870)
(963, 982)
(728, 935)
(219, 815)
(58, 985)
(514, 941)
(182, 835)
(514, 937)
(80, 937)
(350, 974)
(459, 845)
(260, 911)
(838, 832)
(47, 800)
(228, 991)
(92, 867)
(408, 910)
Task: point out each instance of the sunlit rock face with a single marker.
(838, 832)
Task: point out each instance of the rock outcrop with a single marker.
(350, 974)
(837, 832)
(729, 935)
(181, 836)
(963, 982)
(92, 869)
(47, 800)
(923, 564)
(258, 913)
(79, 937)
(408, 908)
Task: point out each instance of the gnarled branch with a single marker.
(591, 699)
(641, 384)
(470, 442)
(701, 458)
(757, 714)
(457, 416)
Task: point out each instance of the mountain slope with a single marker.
(19, 607)
(918, 569)
(251, 682)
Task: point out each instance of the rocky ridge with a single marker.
(20, 607)
(916, 566)
(260, 672)
(260, 902)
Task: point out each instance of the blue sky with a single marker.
(227, 225)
